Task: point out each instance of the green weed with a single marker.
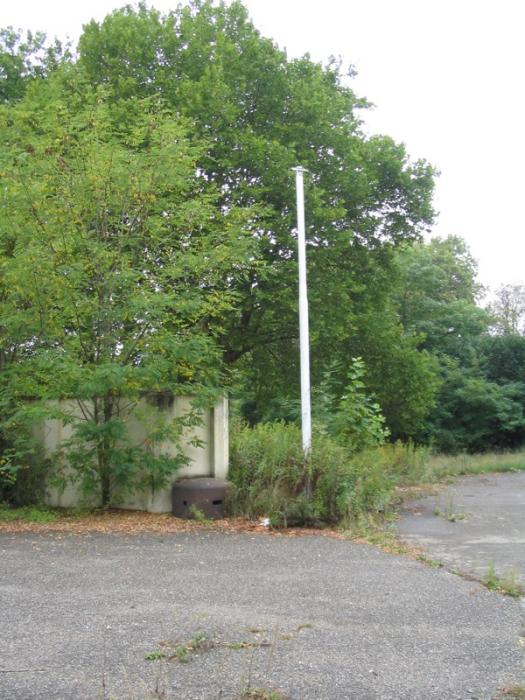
(181, 652)
(30, 514)
(155, 656)
(197, 514)
(433, 563)
(514, 692)
(441, 466)
(197, 641)
(449, 512)
(262, 694)
(273, 479)
(508, 583)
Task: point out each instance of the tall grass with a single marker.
(272, 478)
(441, 466)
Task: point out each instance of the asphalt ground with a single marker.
(314, 617)
(477, 523)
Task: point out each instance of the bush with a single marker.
(343, 410)
(29, 486)
(23, 467)
(8, 474)
(272, 478)
(476, 415)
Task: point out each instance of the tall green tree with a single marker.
(475, 414)
(256, 114)
(438, 297)
(480, 401)
(262, 114)
(119, 270)
(504, 358)
(508, 310)
(24, 59)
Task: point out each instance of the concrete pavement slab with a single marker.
(476, 523)
(316, 617)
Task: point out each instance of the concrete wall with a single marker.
(209, 460)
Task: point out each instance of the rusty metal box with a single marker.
(191, 497)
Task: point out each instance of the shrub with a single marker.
(343, 410)
(23, 467)
(103, 461)
(353, 418)
(8, 474)
(272, 478)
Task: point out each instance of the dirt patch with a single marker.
(131, 522)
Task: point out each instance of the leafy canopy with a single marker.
(119, 264)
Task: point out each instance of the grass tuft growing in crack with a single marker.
(181, 652)
(508, 583)
(262, 694)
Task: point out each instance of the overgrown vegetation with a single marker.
(336, 484)
(508, 583)
(146, 246)
(30, 514)
(514, 692)
(149, 184)
(272, 477)
(262, 694)
(441, 466)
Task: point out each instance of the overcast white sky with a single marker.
(447, 79)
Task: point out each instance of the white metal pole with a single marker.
(304, 339)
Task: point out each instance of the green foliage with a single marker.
(508, 310)
(8, 474)
(136, 261)
(480, 404)
(345, 413)
(489, 399)
(441, 466)
(353, 419)
(150, 180)
(24, 59)
(261, 114)
(508, 584)
(23, 467)
(30, 514)
(272, 478)
(127, 467)
(270, 474)
(182, 652)
(197, 514)
(503, 358)
(404, 378)
(437, 296)
(146, 243)
(475, 414)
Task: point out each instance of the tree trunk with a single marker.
(102, 415)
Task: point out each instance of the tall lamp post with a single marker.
(304, 339)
